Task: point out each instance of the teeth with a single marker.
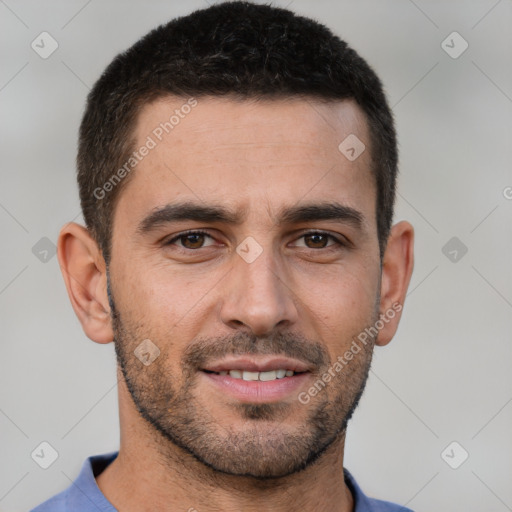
(250, 375)
(262, 376)
(268, 375)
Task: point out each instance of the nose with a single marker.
(257, 295)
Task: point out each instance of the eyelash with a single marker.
(339, 243)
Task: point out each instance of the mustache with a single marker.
(203, 351)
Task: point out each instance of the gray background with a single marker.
(445, 377)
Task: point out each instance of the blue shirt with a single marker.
(84, 495)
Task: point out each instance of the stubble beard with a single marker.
(274, 439)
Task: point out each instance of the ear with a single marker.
(84, 271)
(397, 265)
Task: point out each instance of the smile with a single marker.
(262, 376)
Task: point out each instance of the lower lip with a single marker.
(256, 391)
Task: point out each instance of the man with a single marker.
(237, 174)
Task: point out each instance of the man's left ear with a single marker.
(397, 265)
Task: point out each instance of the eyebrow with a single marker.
(189, 210)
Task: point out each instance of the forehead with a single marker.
(245, 152)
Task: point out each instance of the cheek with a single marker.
(342, 306)
(169, 302)
(157, 289)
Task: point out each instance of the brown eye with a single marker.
(190, 240)
(317, 240)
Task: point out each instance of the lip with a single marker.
(256, 391)
(260, 364)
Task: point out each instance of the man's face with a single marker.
(270, 292)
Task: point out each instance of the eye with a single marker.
(190, 239)
(319, 240)
(195, 239)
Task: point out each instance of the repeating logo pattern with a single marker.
(448, 82)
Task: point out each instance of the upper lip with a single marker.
(253, 364)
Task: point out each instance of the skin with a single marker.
(197, 299)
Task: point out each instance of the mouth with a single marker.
(267, 376)
(258, 380)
